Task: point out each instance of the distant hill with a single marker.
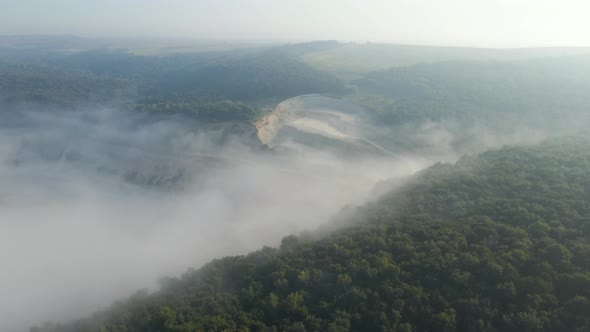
(51, 86)
(542, 93)
(353, 59)
(211, 86)
(149, 46)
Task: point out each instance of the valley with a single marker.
(319, 186)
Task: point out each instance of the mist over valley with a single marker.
(170, 184)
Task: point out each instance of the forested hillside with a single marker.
(208, 86)
(51, 86)
(536, 88)
(496, 242)
(539, 93)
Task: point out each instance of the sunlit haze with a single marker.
(480, 23)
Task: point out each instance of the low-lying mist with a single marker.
(97, 204)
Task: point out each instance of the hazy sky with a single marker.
(495, 23)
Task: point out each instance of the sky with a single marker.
(483, 23)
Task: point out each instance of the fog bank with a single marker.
(97, 204)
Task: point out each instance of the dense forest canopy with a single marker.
(496, 242)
